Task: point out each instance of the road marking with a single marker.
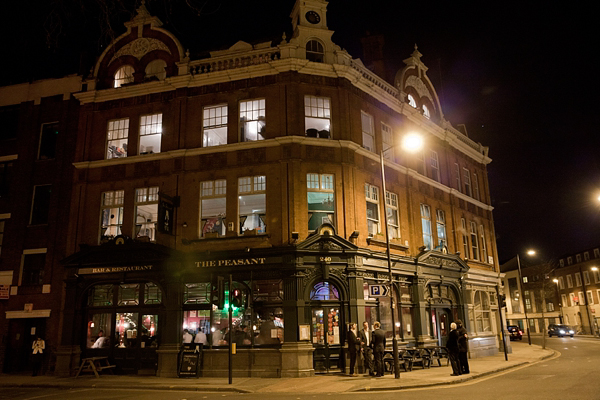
(54, 394)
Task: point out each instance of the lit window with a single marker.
(435, 166)
(156, 69)
(314, 51)
(324, 291)
(368, 134)
(41, 204)
(213, 207)
(484, 256)
(372, 199)
(391, 212)
(146, 212)
(467, 180)
(252, 203)
(426, 112)
(215, 125)
(388, 141)
(482, 311)
(441, 228)
(421, 162)
(411, 101)
(48, 137)
(321, 202)
(116, 137)
(317, 116)
(474, 241)
(252, 120)
(150, 133)
(112, 214)
(426, 226)
(124, 75)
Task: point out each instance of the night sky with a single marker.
(521, 78)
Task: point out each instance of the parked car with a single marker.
(515, 332)
(560, 330)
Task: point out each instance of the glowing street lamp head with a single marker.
(555, 280)
(412, 142)
(531, 252)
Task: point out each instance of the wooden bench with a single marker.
(415, 356)
(95, 365)
(388, 361)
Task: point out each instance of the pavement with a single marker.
(522, 354)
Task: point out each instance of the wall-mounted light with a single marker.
(184, 225)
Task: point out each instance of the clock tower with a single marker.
(309, 13)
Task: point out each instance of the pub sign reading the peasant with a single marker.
(230, 262)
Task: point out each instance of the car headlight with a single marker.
(561, 331)
(571, 332)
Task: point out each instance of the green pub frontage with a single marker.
(292, 309)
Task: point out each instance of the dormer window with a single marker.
(412, 101)
(156, 69)
(426, 112)
(124, 75)
(314, 51)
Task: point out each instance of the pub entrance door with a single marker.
(445, 318)
(326, 327)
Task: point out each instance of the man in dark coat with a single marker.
(353, 347)
(378, 348)
(452, 346)
(463, 347)
(365, 348)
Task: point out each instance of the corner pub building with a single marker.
(263, 161)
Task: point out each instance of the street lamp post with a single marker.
(585, 300)
(411, 143)
(559, 300)
(523, 297)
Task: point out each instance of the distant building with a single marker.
(525, 300)
(579, 289)
(262, 162)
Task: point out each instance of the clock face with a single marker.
(313, 17)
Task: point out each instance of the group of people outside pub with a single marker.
(370, 346)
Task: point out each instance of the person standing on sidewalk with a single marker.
(365, 348)
(452, 346)
(378, 347)
(37, 356)
(463, 347)
(353, 346)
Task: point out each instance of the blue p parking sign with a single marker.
(378, 290)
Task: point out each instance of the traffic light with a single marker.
(237, 298)
(217, 294)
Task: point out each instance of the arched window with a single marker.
(314, 51)
(324, 291)
(124, 75)
(156, 69)
(412, 101)
(426, 112)
(481, 312)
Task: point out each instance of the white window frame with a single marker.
(117, 137)
(411, 101)
(586, 256)
(211, 191)
(214, 125)
(561, 282)
(426, 112)
(315, 51)
(457, 176)
(123, 76)
(596, 276)
(577, 279)
(253, 186)
(391, 210)
(596, 253)
(113, 201)
(321, 183)
(569, 260)
(317, 116)
(590, 297)
(476, 186)
(28, 252)
(483, 246)
(467, 182)
(387, 139)
(426, 226)
(150, 133)
(463, 224)
(252, 120)
(578, 258)
(373, 221)
(156, 68)
(146, 200)
(368, 131)
(565, 300)
(421, 164)
(569, 281)
(435, 165)
(581, 296)
(474, 241)
(586, 277)
(482, 312)
(440, 223)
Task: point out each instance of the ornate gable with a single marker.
(446, 261)
(325, 239)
